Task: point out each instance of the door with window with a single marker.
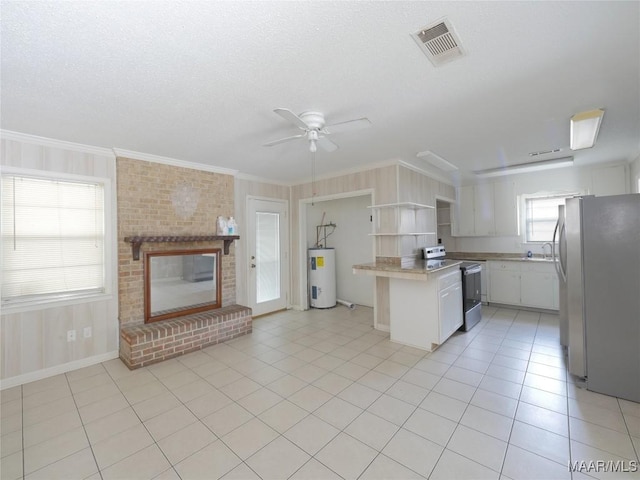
(268, 262)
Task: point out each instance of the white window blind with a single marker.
(541, 217)
(52, 238)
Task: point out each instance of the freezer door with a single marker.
(575, 282)
(611, 250)
(558, 253)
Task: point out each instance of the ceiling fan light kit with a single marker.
(315, 129)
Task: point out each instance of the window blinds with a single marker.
(541, 217)
(52, 238)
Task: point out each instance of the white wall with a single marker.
(634, 175)
(610, 179)
(351, 241)
(34, 339)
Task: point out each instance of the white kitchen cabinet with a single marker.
(487, 209)
(450, 309)
(504, 278)
(523, 283)
(425, 313)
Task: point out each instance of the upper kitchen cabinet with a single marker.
(488, 209)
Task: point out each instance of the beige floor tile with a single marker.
(359, 395)
(120, 446)
(314, 470)
(110, 425)
(240, 388)
(311, 434)
(432, 366)
(521, 464)
(11, 466)
(45, 397)
(96, 394)
(543, 418)
(541, 442)
(502, 387)
(135, 379)
(146, 464)
(367, 361)
(249, 438)
(208, 403)
(169, 422)
(223, 377)
(391, 409)
(548, 371)
(541, 398)
(309, 373)
(154, 406)
(338, 413)
(186, 442)
(79, 465)
(193, 390)
(283, 416)
(87, 383)
(445, 406)
(47, 411)
(479, 447)
(102, 408)
(167, 369)
(227, 419)
(260, 401)
(279, 459)
(287, 385)
(372, 430)
(332, 383)
(346, 456)
(57, 448)
(545, 383)
(241, 472)
(506, 373)
(209, 368)
(592, 413)
(454, 466)
(484, 421)
(453, 389)
(51, 428)
(602, 438)
(210, 463)
(377, 381)
(44, 384)
(422, 378)
(266, 375)
(463, 375)
(473, 363)
(407, 392)
(145, 392)
(383, 468)
(328, 362)
(413, 452)
(430, 426)
(310, 398)
(182, 377)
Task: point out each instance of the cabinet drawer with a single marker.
(538, 267)
(510, 266)
(449, 279)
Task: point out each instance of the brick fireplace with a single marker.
(163, 200)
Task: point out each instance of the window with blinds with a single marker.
(53, 235)
(541, 215)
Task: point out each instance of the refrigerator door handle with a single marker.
(561, 253)
(553, 248)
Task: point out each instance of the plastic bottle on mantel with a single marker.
(221, 226)
(232, 226)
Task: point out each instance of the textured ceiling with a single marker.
(198, 81)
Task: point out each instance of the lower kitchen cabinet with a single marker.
(526, 283)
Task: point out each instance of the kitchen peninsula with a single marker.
(424, 304)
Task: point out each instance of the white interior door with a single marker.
(268, 261)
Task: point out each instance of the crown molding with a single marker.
(254, 178)
(148, 157)
(52, 143)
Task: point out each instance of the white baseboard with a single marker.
(382, 328)
(57, 370)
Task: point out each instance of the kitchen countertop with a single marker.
(499, 257)
(416, 269)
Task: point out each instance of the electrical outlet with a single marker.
(87, 332)
(71, 336)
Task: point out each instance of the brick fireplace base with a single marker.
(142, 345)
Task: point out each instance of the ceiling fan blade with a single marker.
(282, 140)
(326, 144)
(348, 126)
(291, 117)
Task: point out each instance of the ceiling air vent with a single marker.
(439, 42)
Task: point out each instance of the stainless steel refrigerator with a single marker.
(599, 255)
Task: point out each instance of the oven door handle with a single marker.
(472, 270)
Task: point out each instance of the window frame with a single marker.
(523, 209)
(68, 298)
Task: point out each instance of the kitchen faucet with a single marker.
(544, 253)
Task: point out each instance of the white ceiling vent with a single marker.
(439, 42)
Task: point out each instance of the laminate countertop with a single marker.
(416, 269)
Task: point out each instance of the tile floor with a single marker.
(321, 395)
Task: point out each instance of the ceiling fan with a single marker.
(315, 130)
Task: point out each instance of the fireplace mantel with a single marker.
(137, 241)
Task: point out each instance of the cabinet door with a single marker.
(537, 289)
(483, 210)
(505, 286)
(464, 217)
(505, 209)
(450, 306)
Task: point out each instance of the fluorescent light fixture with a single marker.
(437, 161)
(584, 128)
(525, 167)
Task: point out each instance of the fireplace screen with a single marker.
(181, 282)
